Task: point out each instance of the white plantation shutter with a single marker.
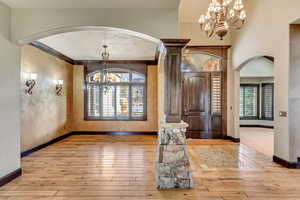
(249, 99)
(138, 100)
(124, 100)
(216, 101)
(93, 100)
(268, 101)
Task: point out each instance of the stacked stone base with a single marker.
(173, 167)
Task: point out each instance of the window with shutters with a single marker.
(268, 101)
(249, 101)
(123, 98)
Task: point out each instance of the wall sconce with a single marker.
(30, 82)
(58, 87)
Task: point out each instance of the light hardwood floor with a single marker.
(261, 139)
(123, 167)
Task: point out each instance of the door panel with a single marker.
(202, 104)
(196, 102)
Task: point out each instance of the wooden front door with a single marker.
(201, 107)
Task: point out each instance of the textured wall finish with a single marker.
(125, 126)
(44, 115)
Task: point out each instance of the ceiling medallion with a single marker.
(221, 16)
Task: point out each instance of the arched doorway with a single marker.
(256, 103)
(83, 45)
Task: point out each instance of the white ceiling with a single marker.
(92, 3)
(190, 10)
(87, 45)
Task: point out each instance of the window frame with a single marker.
(257, 117)
(263, 102)
(131, 70)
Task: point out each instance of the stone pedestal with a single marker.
(173, 166)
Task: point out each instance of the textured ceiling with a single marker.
(92, 3)
(87, 45)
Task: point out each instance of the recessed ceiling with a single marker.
(92, 3)
(87, 45)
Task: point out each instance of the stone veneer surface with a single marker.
(173, 167)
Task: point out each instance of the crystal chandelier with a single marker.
(221, 16)
(105, 57)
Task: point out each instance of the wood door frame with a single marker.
(221, 52)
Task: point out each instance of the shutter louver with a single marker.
(268, 98)
(249, 95)
(216, 93)
(137, 101)
(93, 100)
(122, 99)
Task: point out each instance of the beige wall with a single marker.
(294, 92)
(267, 33)
(10, 98)
(44, 115)
(158, 22)
(191, 30)
(125, 126)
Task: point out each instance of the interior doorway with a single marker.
(257, 104)
(204, 92)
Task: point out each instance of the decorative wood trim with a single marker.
(52, 52)
(26, 153)
(257, 126)
(287, 164)
(222, 53)
(61, 56)
(147, 62)
(11, 176)
(112, 133)
(55, 140)
(236, 140)
(173, 79)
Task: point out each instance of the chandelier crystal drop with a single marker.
(221, 16)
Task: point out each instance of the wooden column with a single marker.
(173, 83)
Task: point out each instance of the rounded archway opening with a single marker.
(255, 100)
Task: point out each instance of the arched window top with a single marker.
(201, 62)
(116, 92)
(115, 75)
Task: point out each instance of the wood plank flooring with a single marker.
(92, 167)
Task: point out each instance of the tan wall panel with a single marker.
(126, 126)
(44, 115)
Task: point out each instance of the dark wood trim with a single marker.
(256, 126)
(147, 62)
(61, 56)
(287, 164)
(52, 52)
(236, 140)
(173, 79)
(11, 176)
(222, 53)
(112, 133)
(270, 58)
(30, 151)
(55, 140)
